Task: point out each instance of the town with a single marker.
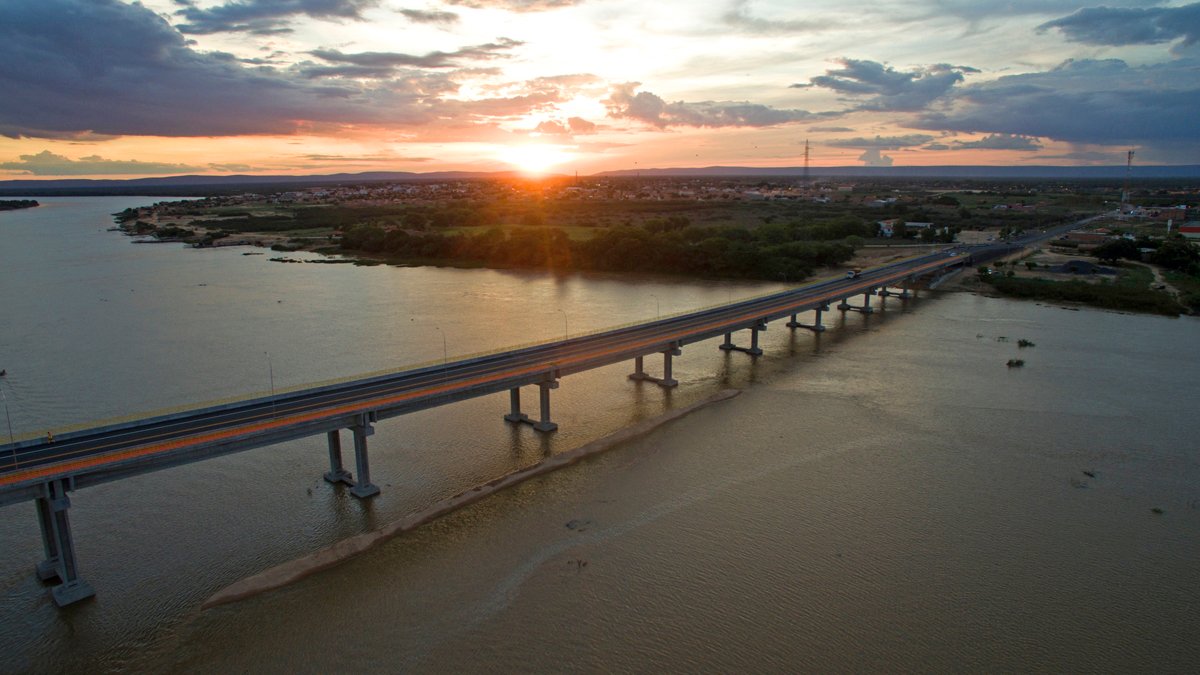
(772, 229)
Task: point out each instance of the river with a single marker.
(885, 496)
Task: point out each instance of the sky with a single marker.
(114, 89)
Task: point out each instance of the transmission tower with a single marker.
(1128, 171)
(805, 181)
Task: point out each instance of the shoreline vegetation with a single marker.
(14, 204)
(778, 231)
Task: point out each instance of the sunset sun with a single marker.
(534, 159)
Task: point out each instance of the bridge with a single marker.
(45, 470)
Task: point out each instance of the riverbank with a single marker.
(295, 570)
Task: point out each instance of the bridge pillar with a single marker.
(515, 414)
(753, 349)
(865, 308)
(639, 370)
(363, 487)
(816, 326)
(668, 378)
(60, 562)
(544, 424)
(337, 473)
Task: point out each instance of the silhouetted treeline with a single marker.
(786, 252)
(14, 204)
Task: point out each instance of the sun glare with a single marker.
(534, 159)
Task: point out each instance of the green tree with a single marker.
(1116, 249)
(1177, 254)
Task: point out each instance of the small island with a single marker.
(14, 204)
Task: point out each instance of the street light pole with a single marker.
(445, 353)
(657, 307)
(271, 374)
(11, 439)
(566, 333)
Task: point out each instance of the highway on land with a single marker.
(266, 420)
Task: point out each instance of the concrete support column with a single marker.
(52, 509)
(754, 350)
(47, 570)
(337, 473)
(668, 378)
(544, 424)
(903, 293)
(639, 370)
(815, 327)
(363, 487)
(866, 306)
(728, 344)
(515, 414)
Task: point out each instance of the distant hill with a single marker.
(1116, 171)
(200, 185)
(184, 185)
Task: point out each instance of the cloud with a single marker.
(1089, 156)
(873, 157)
(430, 16)
(738, 16)
(1114, 27)
(651, 109)
(516, 5)
(231, 168)
(832, 130)
(1086, 101)
(578, 125)
(379, 64)
(363, 158)
(151, 82)
(46, 163)
(999, 142)
(573, 126)
(881, 142)
(974, 10)
(887, 89)
(265, 16)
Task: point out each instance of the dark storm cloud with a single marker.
(886, 89)
(151, 82)
(646, 107)
(388, 60)
(881, 142)
(265, 16)
(1110, 26)
(1085, 101)
(999, 142)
